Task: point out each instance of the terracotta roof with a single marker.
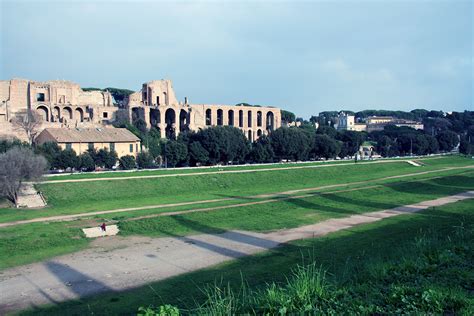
(90, 135)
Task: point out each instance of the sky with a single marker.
(302, 56)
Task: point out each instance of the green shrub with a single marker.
(127, 162)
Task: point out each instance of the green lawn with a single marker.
(296, 212)
(39, 241)
(137, 173)
(70, 198)
(417, 263)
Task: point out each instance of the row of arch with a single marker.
(172, 121)
(58, 113)
(220, 120)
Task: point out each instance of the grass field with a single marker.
(416, 263)
(353, 189)
(76, 197)
(33, 242)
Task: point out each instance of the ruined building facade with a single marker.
(157, 105)
(63, 104)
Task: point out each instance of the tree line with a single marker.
(228, 145)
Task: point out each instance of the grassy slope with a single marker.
(116, 174)
(140, 173)
(276, 215)
(39, 241)
(368, 259)
(69, 198)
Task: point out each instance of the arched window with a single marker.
(208, 117)
(259, 133)
(67, 113)
(249, 119)
(43, 113)
(230, 117)
(183, 121)
(220, 117)
(79, 113)
(270, 121)
(250, 135)
(170, 121)
(155, 117)
(241, 118)
(259, 118)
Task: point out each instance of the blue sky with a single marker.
(303, 56)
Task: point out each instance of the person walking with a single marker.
(102, 227)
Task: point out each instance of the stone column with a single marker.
(264, 121)
(162, 122)
(213, 116)
(146, 113)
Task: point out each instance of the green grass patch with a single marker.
(70, 198)
(35, 242)
(420, 263)
(295, 212)
(171, 171)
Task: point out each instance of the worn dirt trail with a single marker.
(272, 198)
(116, 263)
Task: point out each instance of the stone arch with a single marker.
(79, 114)
(249, 119)
(259, 118)
(43, 113)
(155, 118)
(67, 113)
(208, 117)
(183, 121)
(270, 121)
(170, 121)
(230, 118)
(56, 113)
(220, 117)
(241, 118)
(138, 113)
(259, 132)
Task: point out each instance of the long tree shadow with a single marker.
(444, 185)
(235, 236)
(302, 202)
(356, 204)
(77, 282)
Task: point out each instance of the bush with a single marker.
(86, 162)
(145, 160)
(175, 153)
(127, 162)
(67, 159)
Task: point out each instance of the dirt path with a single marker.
(30, 198)
(272, 196)
(115, 263)
(223, 171)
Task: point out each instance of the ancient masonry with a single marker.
(65, 104)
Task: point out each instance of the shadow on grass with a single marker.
(341, 253)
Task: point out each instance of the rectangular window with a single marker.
(40, 97)
(90, 146)
(69, 146)
(112, 146)
(105, 115)
(131, 148)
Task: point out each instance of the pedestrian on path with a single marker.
(102, 227)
